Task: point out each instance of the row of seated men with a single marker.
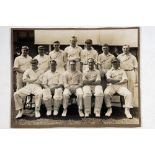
(50, 86)
(74, 59)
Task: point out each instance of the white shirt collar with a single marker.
(56, 51)
(53, 72)
(129, 54)
(74, 47)
(112, 68)
(107, 54)
(35, 70)
(89, 50)
(41, 56)
(23, 56)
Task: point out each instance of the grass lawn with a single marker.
(117, 119)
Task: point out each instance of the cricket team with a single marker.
(52, 79)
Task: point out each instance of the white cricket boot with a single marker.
(86, 114)
(55, 113)
(49, 113)
(37, 114)
(127, 113)
(97, 114)
(20, 113)
(64, 113)
(81, 114)
(109, 112)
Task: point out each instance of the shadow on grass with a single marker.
(72, 114)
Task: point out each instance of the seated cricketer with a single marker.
(91, 81)
(52, 92)
(32, 78)
(117, 80)
(73, 85)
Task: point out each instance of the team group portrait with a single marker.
(75, 77)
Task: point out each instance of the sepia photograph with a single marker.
(75, 77)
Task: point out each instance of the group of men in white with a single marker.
(53, 78)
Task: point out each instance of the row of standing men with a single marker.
(64, 60)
